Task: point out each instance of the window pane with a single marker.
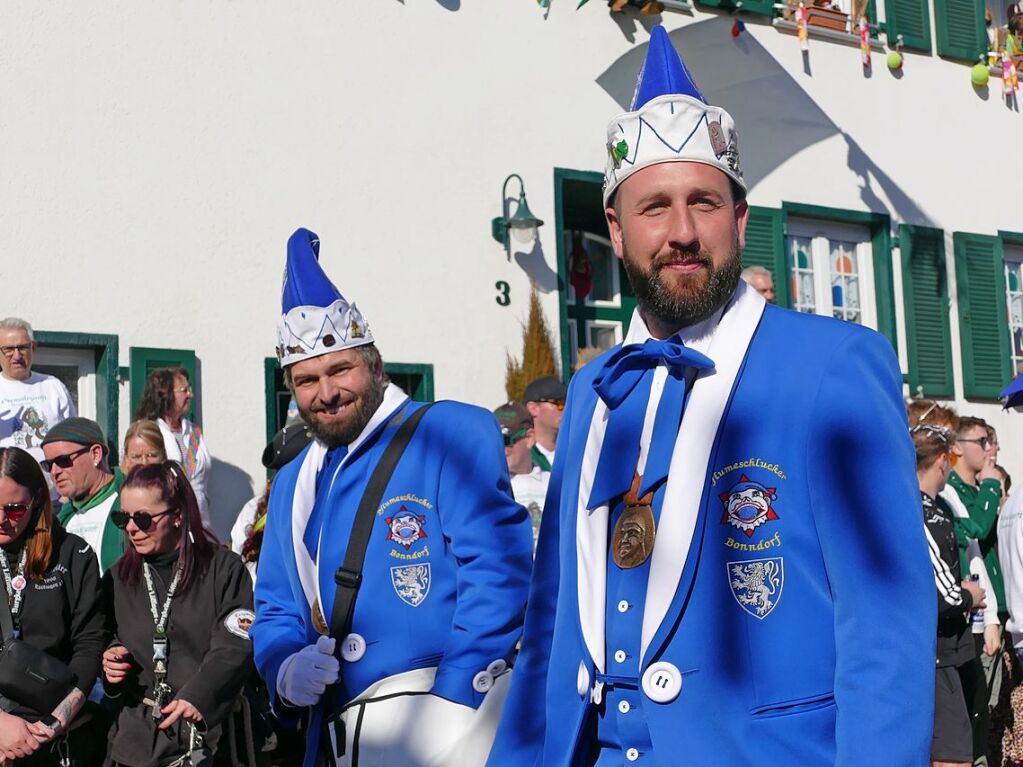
(602, 261)
(800, 264)
(845, 280)
(602, 336)
(1014, 302)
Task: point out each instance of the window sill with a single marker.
(823, 33)
(677, 5)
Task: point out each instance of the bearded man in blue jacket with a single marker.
(419, 678)
(731, 567)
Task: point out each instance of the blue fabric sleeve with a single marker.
(279, 630)
(491, 538)
(520, 735)
(861, 475)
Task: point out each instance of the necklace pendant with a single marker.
(633, 539)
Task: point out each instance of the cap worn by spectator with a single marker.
(545, 389)
(513, 418)
(81, 431)
(286, 445)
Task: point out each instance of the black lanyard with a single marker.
(16, 585)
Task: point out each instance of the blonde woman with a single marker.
(143, 444)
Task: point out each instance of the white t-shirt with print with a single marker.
(89, 524)
(531, 490)
(29, 408)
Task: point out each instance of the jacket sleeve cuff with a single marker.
(456, 685)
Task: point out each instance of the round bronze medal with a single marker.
(633, 539)
(319, 622)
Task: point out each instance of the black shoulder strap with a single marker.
(349, 576)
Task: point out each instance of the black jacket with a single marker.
(210, 655)
(62, 613)
(955, 636)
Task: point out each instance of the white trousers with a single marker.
(397, 722)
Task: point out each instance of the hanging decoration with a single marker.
(801, 30)
(1010, 78)
(980, 74)
(865, 42)
(738, 27)
(580, 268)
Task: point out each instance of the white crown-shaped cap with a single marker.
(316, 318)
(670, 122)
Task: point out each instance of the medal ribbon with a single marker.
(14, 595)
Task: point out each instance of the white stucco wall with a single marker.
(156, 157)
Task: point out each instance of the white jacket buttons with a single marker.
(353, 647)
(632, 754)
(482, 682)
(582, 680)
(662, 682)
(497, 667)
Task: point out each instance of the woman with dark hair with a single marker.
(182, 606)
(166, 399)
(50, 581)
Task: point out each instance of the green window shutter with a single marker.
(983, 328)
(759, 7)
(925, 294)
(962, 31)
(912, 20)
(884, 284)
(276, 397)
(142, 361)
(765, 246)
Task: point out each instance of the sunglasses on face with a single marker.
(558, 403)
(13, 512)
(982, 441)
(143, 519)
(63, 461)
(511, 439)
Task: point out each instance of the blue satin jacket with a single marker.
(828, 663)
(446, 572)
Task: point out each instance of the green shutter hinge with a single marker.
(123, 375)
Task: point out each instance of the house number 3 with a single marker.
(502, 297)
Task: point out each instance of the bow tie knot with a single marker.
(624, 369)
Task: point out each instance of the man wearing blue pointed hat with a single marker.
(398, 561)
(717, 581)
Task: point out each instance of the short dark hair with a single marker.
(967, 422)
(158, 393)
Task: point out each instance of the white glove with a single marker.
(305, 675)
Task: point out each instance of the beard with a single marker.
(344, 432)
(691, 298)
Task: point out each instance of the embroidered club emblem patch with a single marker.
(756, 584)
(238, 622)
(412, 583)
(405, 527)
(748, 505)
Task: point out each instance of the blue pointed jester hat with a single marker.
(315, 318)
(670, 121)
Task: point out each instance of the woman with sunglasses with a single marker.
(51, 583)
(182, 606)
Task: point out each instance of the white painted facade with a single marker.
(156, 157)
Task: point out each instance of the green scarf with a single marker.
(540, 459)
(113, 543)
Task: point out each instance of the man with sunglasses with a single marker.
(76, 460)
(545, 401)
(528, 479)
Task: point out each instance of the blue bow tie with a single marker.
(624, 386)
